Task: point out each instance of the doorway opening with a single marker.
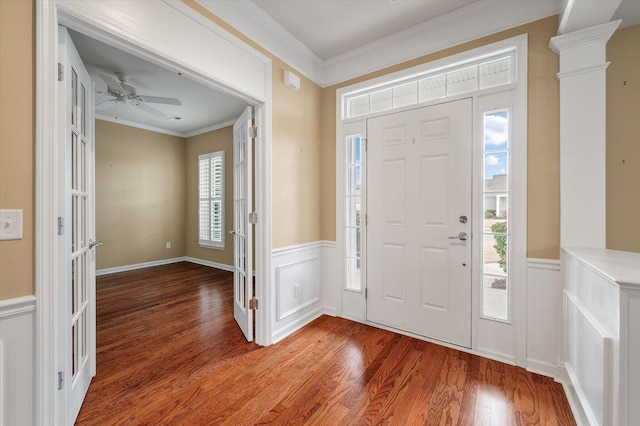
(90, 18)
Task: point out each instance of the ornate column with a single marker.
(583, 134)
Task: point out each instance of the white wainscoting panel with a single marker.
(17, 344)
(589, 362)
(298, 295)
(601, 349)
(544, 316)
(296, 286)
(630, 324)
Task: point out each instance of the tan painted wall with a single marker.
(17, 171)
(297, 161)
(140, 195)
(218, 140)
(296, 151)
(623, 142)
(543, 116)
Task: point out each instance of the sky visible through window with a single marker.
(496, 131)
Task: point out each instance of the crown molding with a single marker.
(453, 28)
(184, 135)
(255, 23)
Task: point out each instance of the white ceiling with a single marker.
(317, 37)
(202, 107)
(333, 27)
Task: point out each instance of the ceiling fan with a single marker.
(123, 92)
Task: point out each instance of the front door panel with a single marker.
(418, 186)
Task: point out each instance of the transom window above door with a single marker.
(442, 83)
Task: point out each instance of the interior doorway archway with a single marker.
(244, 72)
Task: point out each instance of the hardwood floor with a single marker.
(170, 353)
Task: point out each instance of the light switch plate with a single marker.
(10, 225)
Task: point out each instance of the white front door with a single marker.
(76, 310)
(242, 226)
(419, 221)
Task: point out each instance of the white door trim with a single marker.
(137, 34)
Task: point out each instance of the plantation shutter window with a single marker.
(211, 199)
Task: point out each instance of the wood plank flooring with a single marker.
(170, 353)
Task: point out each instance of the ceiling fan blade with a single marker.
(104, 104)
(113, 85)
(151, 111)
(161, 100)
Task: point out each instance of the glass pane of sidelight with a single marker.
(496, 229)
(353, 199)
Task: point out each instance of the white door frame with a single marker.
(245, 73)
(503, 341)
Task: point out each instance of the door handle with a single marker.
(462, 236)
(93, 244)
(232, 232)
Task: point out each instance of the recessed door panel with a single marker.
(434, 198)
(394, 183)
(434, 278)
(394, 281)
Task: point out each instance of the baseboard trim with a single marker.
(17, 306)
(331, 311)
(209, 263)
(142, 265)
(542, 367)
(296, 325)
(574, 403)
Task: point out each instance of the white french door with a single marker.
(419, 185)
(76, 310)
(242, 226)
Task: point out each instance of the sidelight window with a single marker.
(353, 212)
(496, 225)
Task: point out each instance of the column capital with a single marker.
(598, 34)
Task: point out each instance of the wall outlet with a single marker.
(168, 245)
(296, 290)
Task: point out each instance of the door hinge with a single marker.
(366, 293)
(253, 131)
(60, 380)
(60, 225)
(253, 304)
(60, 72)
(366, 144)
(253, 218)
(366, 219)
